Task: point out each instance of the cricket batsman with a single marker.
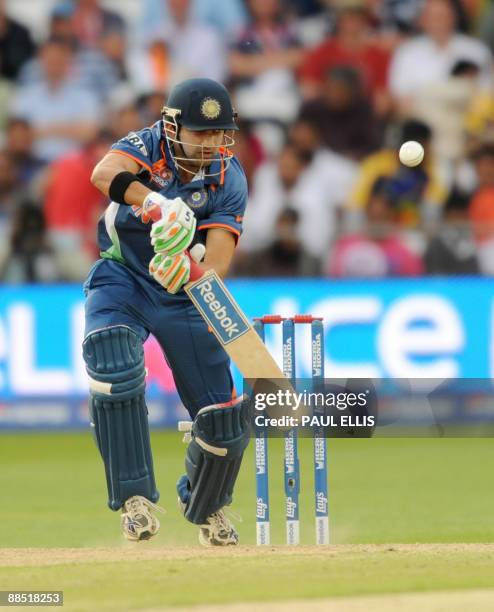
(175, 187)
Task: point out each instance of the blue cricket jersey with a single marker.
(217, 201)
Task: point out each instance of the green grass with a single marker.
(381, 491)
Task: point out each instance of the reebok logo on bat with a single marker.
(219, 311)
(214, 302)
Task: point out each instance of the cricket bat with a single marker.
(224, 317)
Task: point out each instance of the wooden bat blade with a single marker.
(232, 329)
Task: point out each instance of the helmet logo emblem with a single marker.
(210, 108)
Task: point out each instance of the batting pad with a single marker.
(220, 434)
(115, 365)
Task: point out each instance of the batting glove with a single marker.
(174, 232)
(173, 271)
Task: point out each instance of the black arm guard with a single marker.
(120, 184)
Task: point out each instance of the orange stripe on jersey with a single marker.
(222, 225)
(223, 151)
(159, 165)
(136, 159)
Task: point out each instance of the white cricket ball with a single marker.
(411, 153)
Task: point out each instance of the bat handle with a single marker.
(155, 214)
(195, 271)
(196, 254)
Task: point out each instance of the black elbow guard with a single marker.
(120, 184)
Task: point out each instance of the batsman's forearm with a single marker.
(220, 266)
(103, 176)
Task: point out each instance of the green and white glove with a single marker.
(170, 271)
(174, 232)
(173, 271)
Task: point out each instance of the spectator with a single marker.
(19, 137)
(446, 105)
(103, 63)
(429, 57)
(340, 171)
(226, 17)
(16, 45)
(262, 61)
(343, 115)
(274, 187)
(113, 46)
(300, 180)
(334, 176)
(417, 192)
(176, 49)
(30, 259)
(285, 257)
(377, 251)
(61, 24)
(353, 44)
(72, 207)
(451, 250)
(91, 68)
(92, 22)
(63, 114)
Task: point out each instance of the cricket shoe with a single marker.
(138, 523)
(217, 530)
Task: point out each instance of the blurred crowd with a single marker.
(326, 91)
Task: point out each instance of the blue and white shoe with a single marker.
(137, 521)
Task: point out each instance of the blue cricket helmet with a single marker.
(200, 104)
